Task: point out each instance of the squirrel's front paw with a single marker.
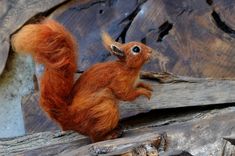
(145, 86)
(147, 93)
(148, 87)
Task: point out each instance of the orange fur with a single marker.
(90, 106)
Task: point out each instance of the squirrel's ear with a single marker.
(117, 51)
(112, 46)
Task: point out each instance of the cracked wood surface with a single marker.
(196, 36)
(199, 133)
(231, 138)
(120, 146)
(13, 14)
(191, 39)
(187, 93)
(185, 32)
(224, 9)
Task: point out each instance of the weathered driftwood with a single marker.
(200, 133)
(175, 92)
(186, 93)
(13, 14)
(117, 146)
(37, 141)
(196, 36)
(35, 120)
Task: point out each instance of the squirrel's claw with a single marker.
(148, 94)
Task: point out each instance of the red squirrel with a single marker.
(88, 106)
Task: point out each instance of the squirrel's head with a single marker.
(134, 54)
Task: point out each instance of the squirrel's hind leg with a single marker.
(115, 133)
(105, 120)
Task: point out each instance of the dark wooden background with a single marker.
(197, 36)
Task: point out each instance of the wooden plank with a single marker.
(184, 92)
(190, 34)
(199, 134)
(40, 140)
(35, 120)
(202, 135)
(86, 19)
(13, 14)
(187, 92)
(117, 146)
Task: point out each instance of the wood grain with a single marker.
(35, 120)
(41, 140)
(115, 147)
(199, 134)
(183, 94)
(196, 36)
(189, 35)
(13, 14)
(187, 93)
(224, 9)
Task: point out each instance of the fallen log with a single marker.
(120, 146)
(200, 133)
(172, 92)
(177, 91)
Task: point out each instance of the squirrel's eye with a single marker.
(135, 49)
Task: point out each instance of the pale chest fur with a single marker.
(137, 80)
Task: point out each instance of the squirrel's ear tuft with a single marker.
(111, 45)
(107, 40)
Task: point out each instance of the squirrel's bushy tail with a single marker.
(52, 45)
